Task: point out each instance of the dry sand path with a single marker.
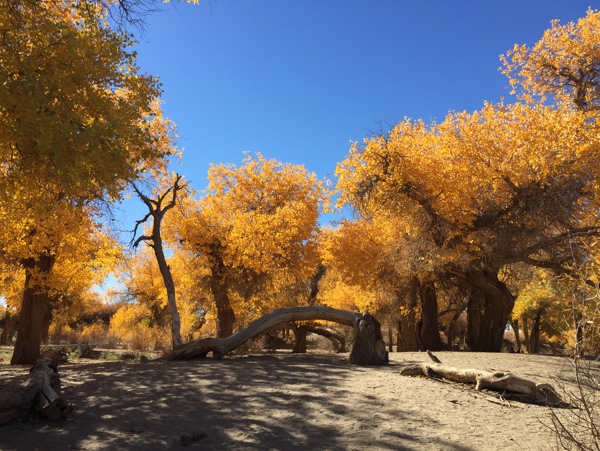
(287, 402)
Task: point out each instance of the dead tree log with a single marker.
(41, 394)
(499, 381)
(369, 348)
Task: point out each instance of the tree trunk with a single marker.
(390, 340)
(368, 349)
(535, 332)
(407, 325)
(218, 287)
(526, 334)
(515, 325)
(35, 304)
(8, 331)
(451, 331)
(502, 381)
(492, 308)
(300, 338)
(430, 330)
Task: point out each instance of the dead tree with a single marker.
(41, 395)
(157, 209)
(368, 349)
(498, 381)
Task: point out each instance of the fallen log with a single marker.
(40, 395)
(368, 349)
(498, 381)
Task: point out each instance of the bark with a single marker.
(500, 380)
(451, 330)
(369, 348)
(407, 324)
(36, 303)
(42, 394)
(490, 311)
(535, 332)
(9, 327)
(430, 330)
(526, 334)
(218, 287)
(515, 325)
(300, 332)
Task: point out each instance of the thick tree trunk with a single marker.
(42, 393)
(36, 303)
(430, 330)
(300, 332)
(491, 308)
(368, 349)
(408, 340)
(218, 287)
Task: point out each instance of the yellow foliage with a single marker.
(131, 324)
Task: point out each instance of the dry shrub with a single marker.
(577, 427)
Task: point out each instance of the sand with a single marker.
(287, 402)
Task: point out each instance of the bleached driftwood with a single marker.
(369, 348)
(499, 380)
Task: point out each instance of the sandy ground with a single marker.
(287, 402)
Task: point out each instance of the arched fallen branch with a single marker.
(369, 348)
(500, 380)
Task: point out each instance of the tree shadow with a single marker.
(303, 401)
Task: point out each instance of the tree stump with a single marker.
(40, 395)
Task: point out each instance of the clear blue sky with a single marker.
(299, 80)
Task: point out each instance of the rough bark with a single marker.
(300, 332)
(500, 380)
(36, 302)
(488, 312)
(41, 394)
(369, 348)
(219, 289)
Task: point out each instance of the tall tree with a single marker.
(157, 208)
(76, 121)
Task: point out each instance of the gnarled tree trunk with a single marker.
(42, 394)
(368, 349)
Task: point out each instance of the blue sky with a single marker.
(299, 80)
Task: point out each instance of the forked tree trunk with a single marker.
(36, 303)
(368, 349)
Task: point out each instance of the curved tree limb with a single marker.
(369, 348)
